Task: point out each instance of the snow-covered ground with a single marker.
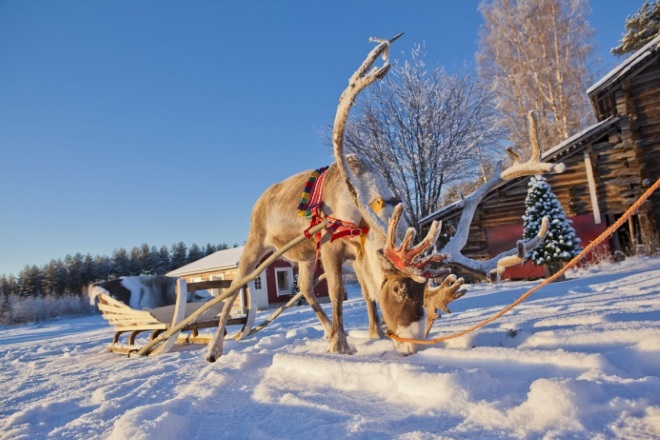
(578, 359)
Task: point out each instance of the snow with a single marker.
(579, 359)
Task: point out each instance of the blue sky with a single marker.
(125, 122)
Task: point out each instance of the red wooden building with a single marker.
(272, 287)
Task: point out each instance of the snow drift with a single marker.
(579, 359)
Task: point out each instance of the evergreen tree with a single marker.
(30, 281)
(162, 261)
(55, 277)
(11, 287)
(74, 268)
(102, 268)
(135, 262)
(6, 287)
(194, 253)
(120, 263)
(89, 274)
(561, 243)
(75, 272)
(149, 259)
(178, 255)
(209, 249)
(641, 27)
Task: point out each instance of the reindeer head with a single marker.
(408, 292)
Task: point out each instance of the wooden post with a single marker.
(593, 194)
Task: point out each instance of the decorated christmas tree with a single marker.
(561, 244)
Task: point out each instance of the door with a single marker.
(259, 291)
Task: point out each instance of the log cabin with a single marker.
(608, 166)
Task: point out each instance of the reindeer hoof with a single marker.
(211, 358)
(339, 346)
(376, 335)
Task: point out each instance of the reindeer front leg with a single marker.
(375, 326)
(332, 266)
(305, 283)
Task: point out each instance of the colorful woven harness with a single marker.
(310, 207)
(312, 193)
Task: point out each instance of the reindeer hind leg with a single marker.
(305, 283)
(364, 276)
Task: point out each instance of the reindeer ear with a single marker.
(388, 268)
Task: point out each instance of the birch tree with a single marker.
(425, 129)
(534, 55)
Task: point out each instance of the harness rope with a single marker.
(602, 237)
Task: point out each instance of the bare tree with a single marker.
(424, 129)
(534, 55)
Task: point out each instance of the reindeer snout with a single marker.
(412, 331)
(405, 348)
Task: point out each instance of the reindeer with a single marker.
(357, 200)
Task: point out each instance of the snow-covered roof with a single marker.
(224, 259)
(578, 137)
(627, 65)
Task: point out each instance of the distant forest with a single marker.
(72, 274)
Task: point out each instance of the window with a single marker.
(257, 283)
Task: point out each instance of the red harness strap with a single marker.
(338, 228)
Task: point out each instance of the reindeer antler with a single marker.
(437, 297)
(534, 164)
(409, 259)
(494, 267)
(363, 77)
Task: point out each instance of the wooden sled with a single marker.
(158, 320)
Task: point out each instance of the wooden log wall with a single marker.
(641, 97)
(617, 177)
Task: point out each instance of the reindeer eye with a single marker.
(396, 289)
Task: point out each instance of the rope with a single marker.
(591, 246)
